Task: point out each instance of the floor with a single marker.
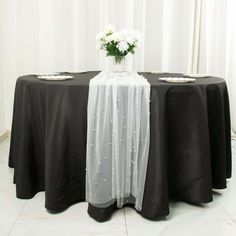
(30, 218)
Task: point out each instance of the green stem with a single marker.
(118, 59)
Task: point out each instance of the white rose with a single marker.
(122, 46)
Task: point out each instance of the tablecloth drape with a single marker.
(190, 146)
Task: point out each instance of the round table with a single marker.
(190, 146)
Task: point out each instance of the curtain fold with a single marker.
(230, 61)
(59, 35)
(217, 45)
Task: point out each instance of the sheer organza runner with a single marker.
(118, 136)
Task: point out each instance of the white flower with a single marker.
(110, 38)
(123, 40)
(99, 36)
(98, 47)
(109, 29)
(122, 46)
(130, 39)
(117, 37)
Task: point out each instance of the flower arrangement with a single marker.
(118, 43)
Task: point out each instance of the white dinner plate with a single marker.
(79, 71)
(55, 77)
(197, 75)
(46, 74)
(177, 80)
(158, 72)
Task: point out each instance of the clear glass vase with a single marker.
(119, 63)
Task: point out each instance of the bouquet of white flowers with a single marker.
(118, 43)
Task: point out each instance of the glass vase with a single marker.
(120, 63)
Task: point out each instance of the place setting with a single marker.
(177, 79)
(190, 78)
(196, 75)
(57, 76)
(53, 76)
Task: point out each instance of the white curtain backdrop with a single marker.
(2, 111)
(217, 45)
(59, 35)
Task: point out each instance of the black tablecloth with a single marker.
(190, 149)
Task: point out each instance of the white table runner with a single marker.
(118, 137)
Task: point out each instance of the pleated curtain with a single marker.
(59, 35)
